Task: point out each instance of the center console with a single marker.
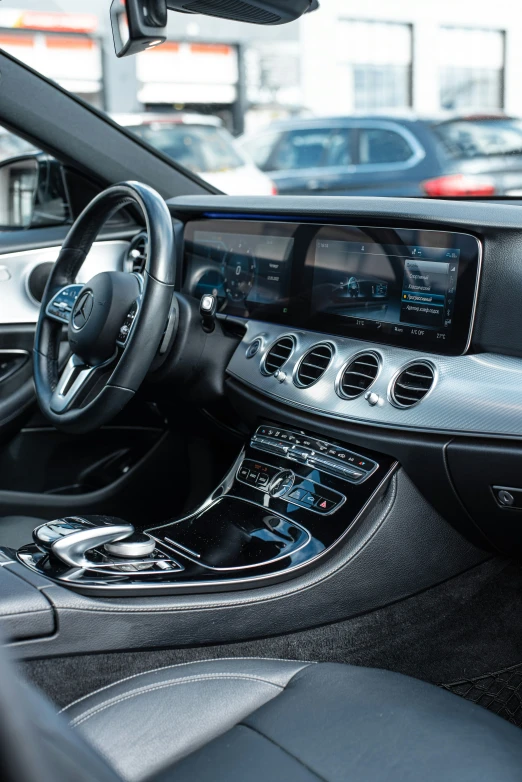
(288, 501)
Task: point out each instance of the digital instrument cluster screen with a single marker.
(410, 287)
(248, 272)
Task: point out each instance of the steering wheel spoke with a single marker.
(76, 381)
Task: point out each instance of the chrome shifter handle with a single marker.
(72, 548)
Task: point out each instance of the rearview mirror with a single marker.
(138, 25)
(251, 11)
(141, 24)
(32, 192)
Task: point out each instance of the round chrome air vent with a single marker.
(313, 365)
(136, 255)
(359, 374)
(412, 384)
(278, 355)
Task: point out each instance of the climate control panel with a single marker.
(309, 451)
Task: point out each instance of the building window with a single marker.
(377, 57)
(471, 68)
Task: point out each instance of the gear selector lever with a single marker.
(70, 539)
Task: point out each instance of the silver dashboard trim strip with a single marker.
(474, 395)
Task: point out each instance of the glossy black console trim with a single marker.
(379, 482)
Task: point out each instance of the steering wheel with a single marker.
(115, 322)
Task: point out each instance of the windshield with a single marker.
(411, 99)
(196, 147)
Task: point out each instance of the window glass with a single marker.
(383, 146)
(472, 68)
(200, 148)
(339, 149)
(467, 139)
(32, 188)
(240, 104)
(376, 60)
(260, 148)
(302, 149)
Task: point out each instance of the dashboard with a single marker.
(409, 287)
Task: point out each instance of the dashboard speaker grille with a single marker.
(278, 355)
(412, 384)
(359, 375)
(313, 365)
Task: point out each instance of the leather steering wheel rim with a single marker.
(132, 365)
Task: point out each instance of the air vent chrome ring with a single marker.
(358, 384)
(407, 388)
(277, 354)
(313, 364)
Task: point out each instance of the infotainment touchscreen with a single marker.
(414, 286)
(409, 287)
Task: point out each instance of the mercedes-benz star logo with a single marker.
(82, 310)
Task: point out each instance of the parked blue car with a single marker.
(467, 155)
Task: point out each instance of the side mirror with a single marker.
(138, 25)
(32, 192)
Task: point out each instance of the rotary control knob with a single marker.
(135, 546)
(281, 483)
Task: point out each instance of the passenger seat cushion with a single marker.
(341, 723)
(147, 721)
(253, 719)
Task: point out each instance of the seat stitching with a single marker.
(172, 683)
(283, 749)
(180, 665)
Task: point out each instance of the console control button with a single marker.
(325, 456)
(282, 483)
(135, 546)
(298, 494)
(324, 505)
(263, 479)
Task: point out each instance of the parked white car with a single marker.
(203, 145)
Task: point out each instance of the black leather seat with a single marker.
(16, 531)
(254, 720)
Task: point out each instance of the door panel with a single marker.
(20, 277)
